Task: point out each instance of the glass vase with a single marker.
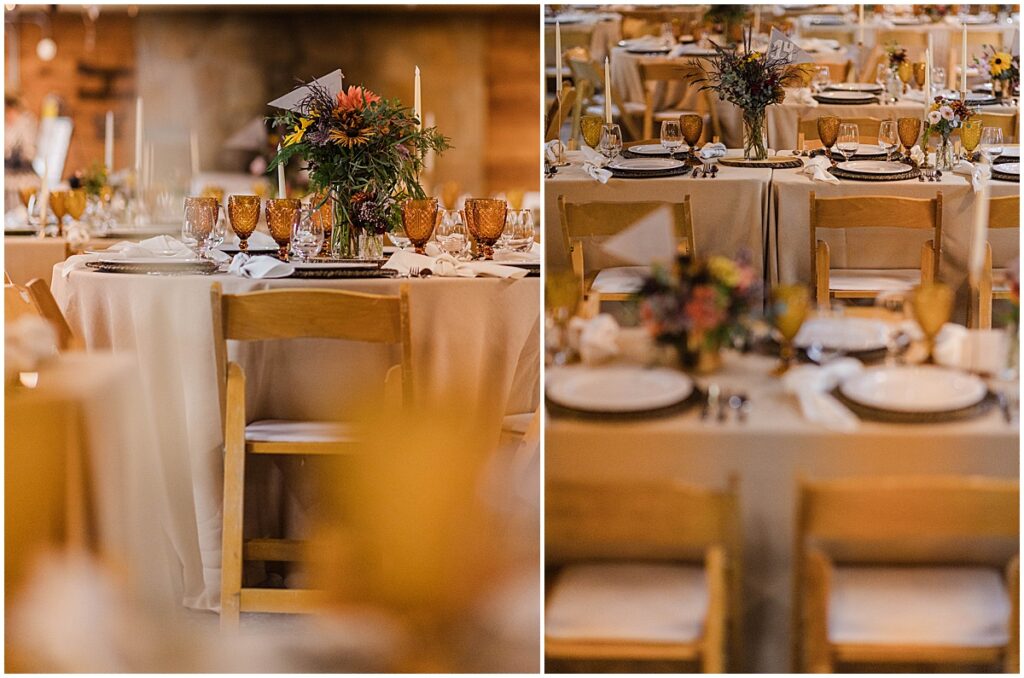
(344, 240)
(755, 135)
(944, 156)
(371, 245)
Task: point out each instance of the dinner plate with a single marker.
(868, 150)
(914, 388)
(854, 87)
(652, 49)
(1010, 152)
(980, 99)
(146, 261)
(874, 167)
(843, 97)
(618, 389)
(826, 20)
(850, 335)
(20, 231)
(645, 164)
(649, 149)
(333, 265)
(1009, 168)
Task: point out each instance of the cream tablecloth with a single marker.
(728, 211)
(767, 454)
(481, 334)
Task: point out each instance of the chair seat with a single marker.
(671, 114)
(290, 431)
(620, 280)
(918, 606)
(632, 108)
(868, 279)
(627, 602)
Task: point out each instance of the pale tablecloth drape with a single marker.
(767, 454)
(481, 335)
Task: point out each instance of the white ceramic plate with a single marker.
(869, 149)
(980, 98)
(841, 97)
(649, 149)
(1009, 168)
(874, 167)
(826, 20)
(651, 49)
(618, 389)
(645, 164)
(843, 334)
(163, 261)
(1011, 152)
(916, 388)
(854, 87)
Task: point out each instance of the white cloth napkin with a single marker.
(918, 156)
(803, 96)
(596, 339)
(983, 351)
(77, 235)
(162, 246)
(817, 169)
(446, 266)
(710, 151)
(551, 150)
(913, 95)
(811, 384)
(259, 267)
(979, 173)
(593, 164)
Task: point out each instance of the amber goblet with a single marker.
(244, 214)
(59, 207)
(590, 126)
(75, 202)
(419, 217)
(828, 132)
(970, 135)
(485, 219)
(909, 130)
(282, 216)
(920, 70)
(933, 303)
(791, 303)
(25, 194)
(905, 71)
(692, 126)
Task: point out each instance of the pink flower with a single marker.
(703, 309)
(947, 112)
(934, 117)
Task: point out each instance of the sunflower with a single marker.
(297, 133)
(999, 62)
(348, 128)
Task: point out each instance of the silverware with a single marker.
(714, 171)
(938, 175)
(426, 273)
(695, 170)
(920, 177)
(414, 271)
(745, 407)
(710, 402)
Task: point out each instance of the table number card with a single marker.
(782, 48)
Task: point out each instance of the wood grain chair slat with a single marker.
(1003, 213)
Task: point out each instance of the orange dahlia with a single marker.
(356, 99)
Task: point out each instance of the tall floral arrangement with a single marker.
(752, 81)
(945, 115)
(700, 305)
(1001, 67)
(362, 150)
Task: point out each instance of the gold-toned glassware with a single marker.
(905, 71)
(244, 214)
(282, 216)
(212, 191)
(692, 126)
(75, 202)
(201, 215)
(58, 205)
(515, 198)
(590, 126)
(920, 70)
(970, 135)
(933, 304)
(25, 194)
(419, 217)
(909, 130)
(828, 132)
(485, 219)
(790, 306)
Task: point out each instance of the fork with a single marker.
(695, 171)
(414, 271)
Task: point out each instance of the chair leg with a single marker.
(234, 501)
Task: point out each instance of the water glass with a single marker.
(822, 78)
(511, 219)
(882, 75)
(308, 236)
(451, 234)
(888, 137)
(848, 139)
(611, 141)
(521, 237)
(671, 136)
(991, 144)
(938, 83)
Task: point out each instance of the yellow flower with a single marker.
(999, 62)
(724, 270)
(300, 129)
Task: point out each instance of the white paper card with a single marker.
(332, 81)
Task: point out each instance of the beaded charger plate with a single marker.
(646, 174)
(773, 162)
(20, 231)
(165, 268)
(1004, 176)
(335, 273)
(696, 396)
(912, 173)
(891, 417)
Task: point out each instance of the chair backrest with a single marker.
(975, 40)
(655, 71)
(1007, 122)
(915, 42)
(837, 72)
(48, 308)
(638, 520)
(865, 516)
(557, 113)
(314, 313)
(868, 128)
(603, 219)
(17, 303)
(1004, 212)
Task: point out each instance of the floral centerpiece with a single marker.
(700, 306)
(944, 116)
(1002, 68)
(896, 56)
(362, 152)
(752, 81)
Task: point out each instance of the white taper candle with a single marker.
(607, 91)
(138, 136)
(280, 178)
(108, 142)
(417, 99)
(963, 61)
(558, 59)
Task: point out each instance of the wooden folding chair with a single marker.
(48, 308)
(556, 115)
(872, 212)
(660, 71)
(1007, 122)
(623, 541)
(893, 571)
(587, 221)
(868, 128)
(837, 72)
(1002, 213)
(975, 41)
(287, 314)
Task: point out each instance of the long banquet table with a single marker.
(478, 335)
(768, 454)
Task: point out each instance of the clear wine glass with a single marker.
(308, 236)
(888, 137)
(882, 75)
(523, 233)
(822, 78)
(938, 80)
(848, 139)
(611, 141)
(452, 235)
(671, 136)
(511, 221)
(991, 144)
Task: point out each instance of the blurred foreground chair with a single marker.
(919, 571)
(287, 314)
(1003, 213)
(599, 220)
(872, 212)
(642, 572)
(43, 299)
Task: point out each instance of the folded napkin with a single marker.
(162, 246)
(812, 384)
(817, 169)
(248, 266)
(77, 235)
(595, 339)
(918, 156)
(447, 266)
(710, 151)
(551, 150)
(801, 95)
(913, 95)
(593, 164)
(979, 174)
(982, 351)
(28, 341)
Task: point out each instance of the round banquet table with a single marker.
(480, 336)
